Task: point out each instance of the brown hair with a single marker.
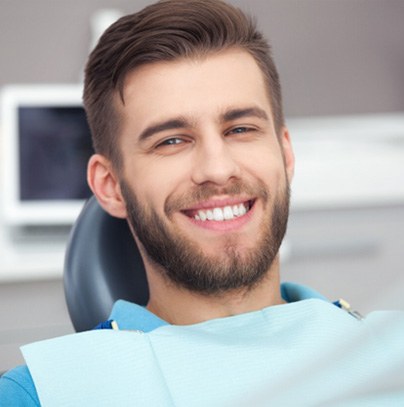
(167, 30)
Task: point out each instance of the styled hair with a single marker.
(166, 31)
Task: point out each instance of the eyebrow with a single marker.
(162, 126)
(235, 114)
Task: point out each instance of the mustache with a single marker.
(206, 191)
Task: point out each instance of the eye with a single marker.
(171, 145)
(170, 142)
(240, 130)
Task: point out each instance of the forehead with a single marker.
(197, 88)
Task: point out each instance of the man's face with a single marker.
(204, 177)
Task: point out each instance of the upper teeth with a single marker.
(220, 214)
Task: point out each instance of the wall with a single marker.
(334, 56)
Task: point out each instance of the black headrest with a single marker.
(102, 265)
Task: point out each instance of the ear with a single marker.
(288, 155)
(104, 183)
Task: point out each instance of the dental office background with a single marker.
(341, 64)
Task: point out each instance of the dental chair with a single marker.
(102, 265)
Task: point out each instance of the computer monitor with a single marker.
(46, 144)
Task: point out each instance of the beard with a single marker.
(185, 264)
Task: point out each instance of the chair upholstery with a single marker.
(102, 265)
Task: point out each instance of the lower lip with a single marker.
(225, 225)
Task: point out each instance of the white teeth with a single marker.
(218, 214)
(221, 214)
(202, 215)
(227, 213)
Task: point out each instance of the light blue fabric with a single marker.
(17, 387)
(283, 355)
(302, 353)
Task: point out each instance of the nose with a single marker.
(215, 162)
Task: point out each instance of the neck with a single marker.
(179, 306)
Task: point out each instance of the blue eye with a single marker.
(240, 130)
(171, 141)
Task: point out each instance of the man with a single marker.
(184, 104)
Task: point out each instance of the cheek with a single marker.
(155, 182)
(266, 164)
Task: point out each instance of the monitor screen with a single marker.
(46, 147)
(54, 148)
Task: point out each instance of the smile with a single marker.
(222, 213)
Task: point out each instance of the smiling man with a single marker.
(184, 104)
(204, 182)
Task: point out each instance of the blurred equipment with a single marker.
(46, 146)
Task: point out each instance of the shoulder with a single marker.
(17, 388)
